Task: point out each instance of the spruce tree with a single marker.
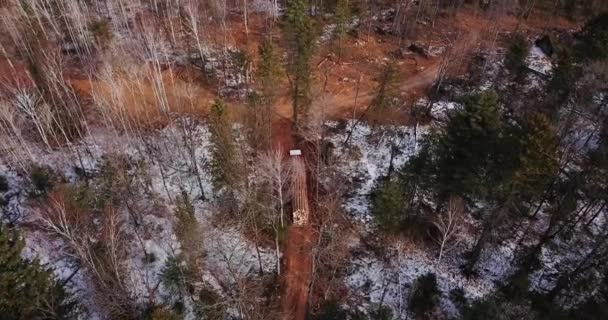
(28, 291)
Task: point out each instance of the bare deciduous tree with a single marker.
(103, 260)
(449, 226)
(275, 171)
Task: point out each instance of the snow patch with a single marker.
(539, 62)
(367, 158)
(391, 280)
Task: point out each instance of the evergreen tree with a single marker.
(499, 308)
(537, 162)
(599, 156)
(388, 206)
(515, 59)
(242, 60)
(43, 179)
(562, 82)
(209, 305)
(331, 310)
(224, 165)
(188, 233)
(3, 184)
(386, 94)
(173, 277)
(269, 71)
(425, 296)
(258, 118)
(468, 153)
(593, 39)
(28, 291)
(379, 313)
(301, 36)
(342, 19)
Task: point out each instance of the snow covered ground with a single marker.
(229, 256)
(390, 281)
(539, 62)
(366, 159)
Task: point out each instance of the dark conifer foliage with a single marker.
(28, 291)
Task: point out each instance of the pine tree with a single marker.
(593, 39)
(425, 296)
(3, 184)
(342, 19)
(468, 155)
(537, 162)
(173, 277)
(224, 164)
(28, 291)
(269, 70)
(301, 36)
(561, 84)
(385, 95)
(258, 118)
(188, 233)
(388, 207)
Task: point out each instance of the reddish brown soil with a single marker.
(298, 272)
(346, 88)
(282, 133)
(346, 85)
(298, 249)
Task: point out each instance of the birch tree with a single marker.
(274, 170)
(448, 225)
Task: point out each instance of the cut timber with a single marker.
(298, 251)
(300, 192)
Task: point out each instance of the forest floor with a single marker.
(298, 248)
(345, 87)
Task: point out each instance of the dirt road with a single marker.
(298, 251)
(298, 272)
